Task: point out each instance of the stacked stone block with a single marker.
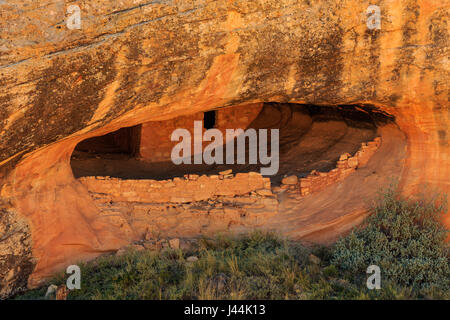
(346, 165)
(192, 204)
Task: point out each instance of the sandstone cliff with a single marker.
(135, 60)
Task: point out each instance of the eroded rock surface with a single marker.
(134, 61)
(16, 259)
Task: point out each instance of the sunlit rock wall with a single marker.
(134, 61)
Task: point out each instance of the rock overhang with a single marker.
(152, 61)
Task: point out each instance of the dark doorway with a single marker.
(209, 120)
(122, 141)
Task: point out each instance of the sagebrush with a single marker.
(405, 238)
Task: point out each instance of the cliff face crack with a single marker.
(140, 6)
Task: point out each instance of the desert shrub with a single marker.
(405, 238)
(330, 271)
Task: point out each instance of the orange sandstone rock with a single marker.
(156, 61)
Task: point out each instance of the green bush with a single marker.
(405, 238)
(330, 271)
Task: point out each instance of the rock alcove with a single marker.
(323, 151)
(157, 62)
(311, 137)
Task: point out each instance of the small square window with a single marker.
(209, 120)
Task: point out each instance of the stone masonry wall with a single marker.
(191, 205)
(194, 205)
(317, 181)
(155, 144)
(178, 190)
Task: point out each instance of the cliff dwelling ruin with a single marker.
(86, 118)
(311, 138)
(136, 186)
